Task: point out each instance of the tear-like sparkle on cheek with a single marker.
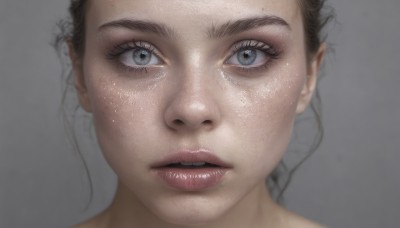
(244, 98)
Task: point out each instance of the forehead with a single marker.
(196, 13)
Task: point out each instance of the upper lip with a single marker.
(191, 156)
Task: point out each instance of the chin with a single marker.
(192, 210)
(186, 217)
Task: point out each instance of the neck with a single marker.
(255, 210)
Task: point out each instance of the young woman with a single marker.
(193, 104)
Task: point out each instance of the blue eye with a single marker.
(139, 57)
(251, 55)
(248, 58)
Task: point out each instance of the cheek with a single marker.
(265, 115)
(121, 115)
(109, 105)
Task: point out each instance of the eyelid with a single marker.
(270, 52)
(120, 49)
(253, 44)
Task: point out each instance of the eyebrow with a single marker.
(234, 27)
(140, 25)
(215, 32)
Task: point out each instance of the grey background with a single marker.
(352, 181)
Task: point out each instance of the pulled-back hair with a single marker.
(314, 21)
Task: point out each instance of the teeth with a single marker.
(192, 163)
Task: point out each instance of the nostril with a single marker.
(178, 122)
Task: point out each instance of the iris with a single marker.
(247, 57)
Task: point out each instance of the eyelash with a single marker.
(120, 49)
(268, 50)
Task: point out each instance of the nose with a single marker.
(192, 106)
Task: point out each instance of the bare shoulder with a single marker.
(305, 223)
(296, 221)
(87, 224)
(99, 221)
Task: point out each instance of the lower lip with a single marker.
(199, 179)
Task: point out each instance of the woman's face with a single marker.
(193, 80)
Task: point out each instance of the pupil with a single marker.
(141, 56)
(247, 57)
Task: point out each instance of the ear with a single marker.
(311, 81)
(79, 79)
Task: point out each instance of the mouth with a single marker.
(191, 160)
(191, 170)
(192, 165)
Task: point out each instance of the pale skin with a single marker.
(195, 92)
